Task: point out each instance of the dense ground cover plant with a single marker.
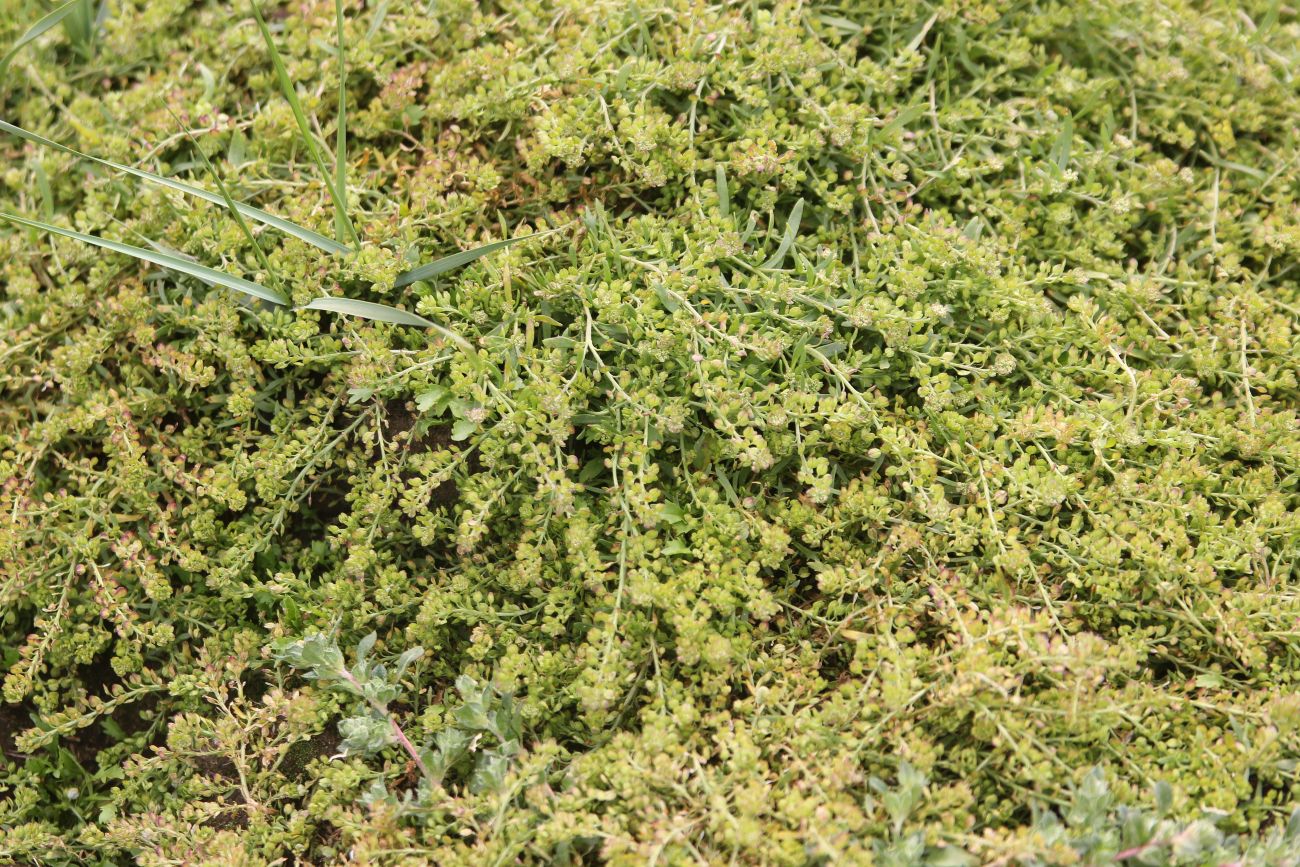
(893, 461)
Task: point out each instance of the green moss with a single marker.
(966, 524)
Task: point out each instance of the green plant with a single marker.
(861, 534)
(81, 20)
(82, 25)
(336, 184)
(370, 727)
(59, 14)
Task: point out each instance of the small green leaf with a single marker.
(948, 856)
(462, 429)
(490, 773)
(1209, 680)
(672, 513)
(364, 735)
(432, 400)
(666, 299)
(591, 470)
(1164, 797)
(787, 240)
(724, 194)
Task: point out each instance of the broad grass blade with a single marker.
(456, 260)
(384, 313)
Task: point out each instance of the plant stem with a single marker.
(392, 722)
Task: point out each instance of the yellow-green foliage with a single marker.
(954, 521)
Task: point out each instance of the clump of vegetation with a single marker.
(893, 458)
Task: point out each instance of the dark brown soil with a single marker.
(399, 427)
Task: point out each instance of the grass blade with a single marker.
(1060, 155)
(456, 260)
(173, 263)
(724, 194)
(43, 187)
(384, 313)
(257, 214)
(902, 119)
(341, 138)
(225, 194)
(81, 27)
(377, 19)
(291, 96)
(787, 240)
(34, 32)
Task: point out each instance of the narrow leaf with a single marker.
(310, 237)
(456, 260)
(1061, 147)
(304, 129)
(81, 27)
(377, 19)
(43, 187)
(173, 263)
(1228, 164)
(724, 194)
(787, 240)
(225, 195)
(404, 661)
(921, 34)
(34, 32)
(384, 313)
(902, 119)
(341, 139)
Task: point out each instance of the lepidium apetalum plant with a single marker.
(81, 19)
(993, 472)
